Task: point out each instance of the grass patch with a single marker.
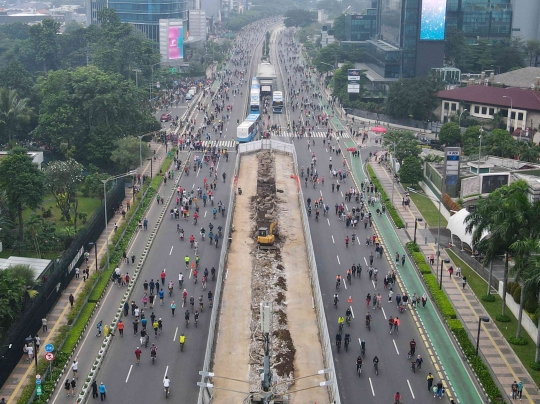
(86, 205)
(429, 211)
(526, 352)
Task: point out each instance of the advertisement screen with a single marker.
(176, 42)
(353, 75)
(433, 20)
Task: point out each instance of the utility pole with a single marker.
(266, 376)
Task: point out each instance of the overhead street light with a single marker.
(480, 320)
(115, 177)
(459, 121)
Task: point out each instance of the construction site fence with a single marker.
(205, 393)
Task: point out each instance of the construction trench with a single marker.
(278, 274)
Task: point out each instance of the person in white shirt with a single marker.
(75, 368)
(30, 352)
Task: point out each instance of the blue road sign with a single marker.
(49, 348)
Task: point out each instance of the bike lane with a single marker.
(440, 344)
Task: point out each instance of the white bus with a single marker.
(277, 102)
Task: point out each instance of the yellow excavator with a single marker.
(266, 237)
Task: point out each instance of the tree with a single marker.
(450, 134)
(327, 57)
(413, 98)
(127, 153)
(22, 183)
(532, 50)
(457, 51)
(411, 171)
(62, 179)
(503, 215)
(299, 18)
(15, 77)
(44, 41)
(13, 112)
(92, 185)
(340, 30)
(404, 144)
(12, 290)
(25, 273)
(499, 142)
(471, 141)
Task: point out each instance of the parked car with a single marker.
(165, 117)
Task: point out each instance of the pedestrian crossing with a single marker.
(219, 143)
(313, 134)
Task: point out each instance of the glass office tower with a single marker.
(145, 14)
(481, 19)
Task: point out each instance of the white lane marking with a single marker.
(410, 388)
(345, 282)
(166, 370)
(328, 221)
(352, 312)
(341, 192)
(346, 207)
(339, 263)
(171, 250)
(395, 346)
(174, 338)
(333, 241)
(190, 272)
(127, 378)
(358, 239)
(193, 186)
(366, 262)
(372, 390)
(205, 213)
(374, 284)
(320, 191)
(384, 314)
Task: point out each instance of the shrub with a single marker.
(535, 365)
(488, 298)
(450, 204)
(510, 287)
(531, 305)
(517, 340)
(516, 294)
(502, 319)
(385, 199)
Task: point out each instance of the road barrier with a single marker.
(205, 394)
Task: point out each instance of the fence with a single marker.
(387, 119)
(205, 396)
(55, 281)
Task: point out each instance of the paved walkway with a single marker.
(498, 354)
(24, 371)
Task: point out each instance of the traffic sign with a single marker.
(38, 390)
(49, 348)
(49, 356)
(38, 381)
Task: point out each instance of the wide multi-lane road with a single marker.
(128, 382)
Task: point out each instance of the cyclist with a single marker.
(210, 298)
(186, 259)
(166, 384)
(197, 259)
(203, 233)
(419, 361)
(192, 302)
(213, 272)
(349, 276)
(220, 230)
(171, 285)
(210, 236)
(191, 240)
(182, 341)
(186, 316)
(195, 273)
(161, 295)
(153, 351)
(336, 299)
(368, 319)
(347, 340)
(338, 340)
(203, 282)
(196, 316)
(359, 363)
(216, 239)
(363, 347)
(184, 296)
(206, 273)
(338, 281)
(348, 315)
(376, 361)
(201, 302)
(180, 280)
(340, 321)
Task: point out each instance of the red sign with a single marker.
(49, 356)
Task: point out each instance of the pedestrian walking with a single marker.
(103, 391)
(37, 343)
(451, 271)
(121, 328)
(464, 282)
(519, 389)
(514, 389)
(173, 307)
(94, 389)
(67, 387)
(75, 368)
(429, 381)
(424, 300)
(71, 299)
(390, 293)
(73, 385)
(412, 346)
(440, 389)
(44, 324)
(77, 273)
(397, 323)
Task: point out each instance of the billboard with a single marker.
(354, 75)
(451, 166)
(353, 88)
(176, 42)
(433, 20)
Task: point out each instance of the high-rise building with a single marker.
(525, 19)
(143, 14)
(417, 27)
(482, 19)
(361, 27)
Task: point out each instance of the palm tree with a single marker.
(13, 110)
(504, 214)
(525, 263)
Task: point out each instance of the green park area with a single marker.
(429, 211)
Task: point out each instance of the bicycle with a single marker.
(368, 325)
(338, 345)
(413, 367)
(359, 370)
(363, 352)
(346, 345)
(166, 392)
(376, 367)
(153, 358)
(340, 328)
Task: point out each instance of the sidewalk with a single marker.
(504, 364)
(24, 371)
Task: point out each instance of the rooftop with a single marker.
(515, 97)
(37, 265)
(522, 78)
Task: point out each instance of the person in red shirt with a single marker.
(163, 275)
(138, 355)
(347, 241)
(397, 398)
(121, 328)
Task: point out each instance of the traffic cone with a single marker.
(192, 265)
(349, 300)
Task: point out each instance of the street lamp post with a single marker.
(459, 121)
(418, 219)
(105, 201)
(447, 261)
(480, 320)
(509, 119)
(479, 158)
(140, 149)
(91, 244)
(152, 82)
(151, 176)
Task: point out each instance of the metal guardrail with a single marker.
(205, 396)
